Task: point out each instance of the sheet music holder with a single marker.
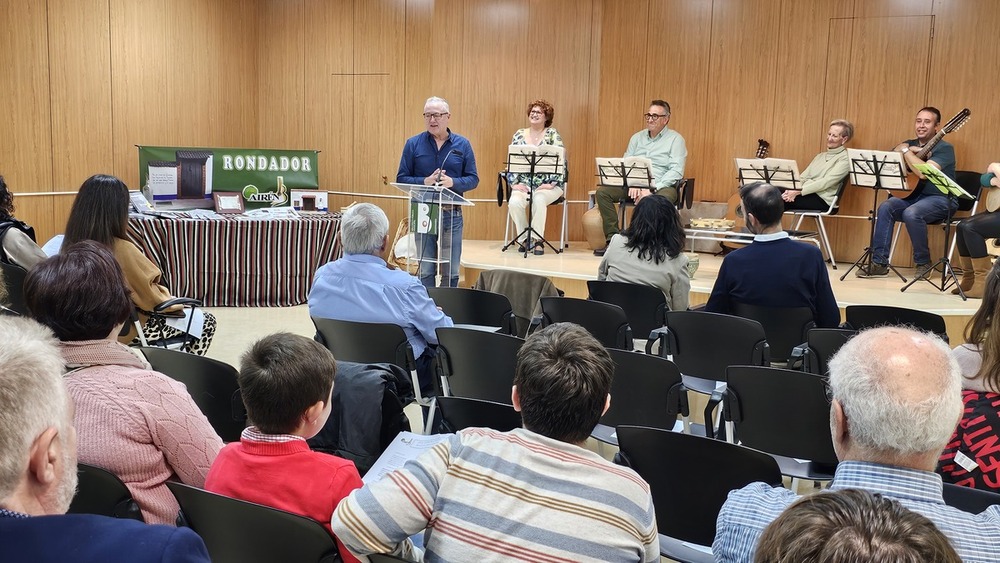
(426, 207)
(534, 160)
(875, 170)
(953, 192)
(779, 172)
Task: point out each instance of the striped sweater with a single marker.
(517, 496)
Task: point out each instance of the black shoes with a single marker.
(874, 270)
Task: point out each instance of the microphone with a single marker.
(445, 161)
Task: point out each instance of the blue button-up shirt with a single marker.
(421, 157)
(976, 537)
(362, 288)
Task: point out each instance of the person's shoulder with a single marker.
(757, 499)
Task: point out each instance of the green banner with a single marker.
(423, 218)
(264, 177)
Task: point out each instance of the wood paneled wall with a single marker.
(91, 78)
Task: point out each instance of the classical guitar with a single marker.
(954, 124)
(734, 210)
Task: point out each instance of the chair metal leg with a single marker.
(825, 240)
(895, 237)
(565, 225)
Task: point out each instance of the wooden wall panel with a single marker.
(623, 70)
(24, 107)
(282, 66)
(80, 81)
(892, 8)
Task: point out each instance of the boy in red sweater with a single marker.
(287, 384)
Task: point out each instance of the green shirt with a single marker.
(667, 151)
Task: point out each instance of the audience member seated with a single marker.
(773, 271)
(971, 458)
(896, 396)
(17, 239)
(535, 494)
(137, 423)
(849, 526)
(287, 383)
(650, 252)
(543, 189)
(361, 287)
(38, 470)
(100, 213)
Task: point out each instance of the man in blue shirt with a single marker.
(360, 287)
(896, 399)
(438, 157)
(926, 204)
(38, 470)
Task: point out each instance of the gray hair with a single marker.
(32, 395)
(363, 229)
(877, 377)
(846, 126)
(437, 100)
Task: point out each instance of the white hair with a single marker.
(33, 397)
(363, 229)
(437, 100)
(874, 376)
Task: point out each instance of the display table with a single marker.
(239, 262)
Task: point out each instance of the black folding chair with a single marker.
(821, 345)
(606, 322)
(101, 492)
(785, 327)
(968, 499)
(860, 317)
(477, 364)
(475, 307)
(458, 413)
(645, 306)
(13, 279)
(237, 531)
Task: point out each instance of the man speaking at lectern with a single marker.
(438, 156)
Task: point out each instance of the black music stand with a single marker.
(953, 191)
(784, 174)
(876, 170)
(547, 163)
(618, 172)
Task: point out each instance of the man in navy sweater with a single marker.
(38, 469)
(773, 271)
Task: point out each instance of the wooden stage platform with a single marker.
(571, 270)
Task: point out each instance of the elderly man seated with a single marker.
(38, 469)
(897, 396)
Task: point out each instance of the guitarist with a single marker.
(972, 235)
(925, 204)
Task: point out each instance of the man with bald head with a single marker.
(38, 469)
(896, 398)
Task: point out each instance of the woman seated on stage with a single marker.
(17, 240)
(649, 252)
(100, 213)
(542, 188)
(972, 234)
(135, 422)
(979, 361)
(821, 180)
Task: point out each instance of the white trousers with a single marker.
(518, 205)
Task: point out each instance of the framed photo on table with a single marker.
(228, 202)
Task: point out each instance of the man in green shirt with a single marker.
(667, 151)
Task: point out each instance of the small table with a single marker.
(234, 261)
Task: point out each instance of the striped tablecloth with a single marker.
(237, 262)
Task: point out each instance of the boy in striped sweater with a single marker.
(533, 494)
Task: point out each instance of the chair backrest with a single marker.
(970, 182)
(704, 344)
(645, 306)
(646, 391)
(860, 317)
(835, 206)
(458, 413)
(13, 279)
(522, 289)
(968, 499)
(606, 322)
(238, 531)
(691, 476)
(475, 307)
(685, 193)
(365, 343)
(780, 411)
(823, 343)
(785, 327)
(212, 384)
(477, 364)
(102, 492)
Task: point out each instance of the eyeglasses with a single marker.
(653, 116)
(536, 112)
(435, 115)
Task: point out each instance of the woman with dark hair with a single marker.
(969, 458)
(649, 252)
(137, 423)
(100, 213)
(17, 239)
(542, 188)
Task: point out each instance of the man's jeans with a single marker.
(450, 231)
(915, 214)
